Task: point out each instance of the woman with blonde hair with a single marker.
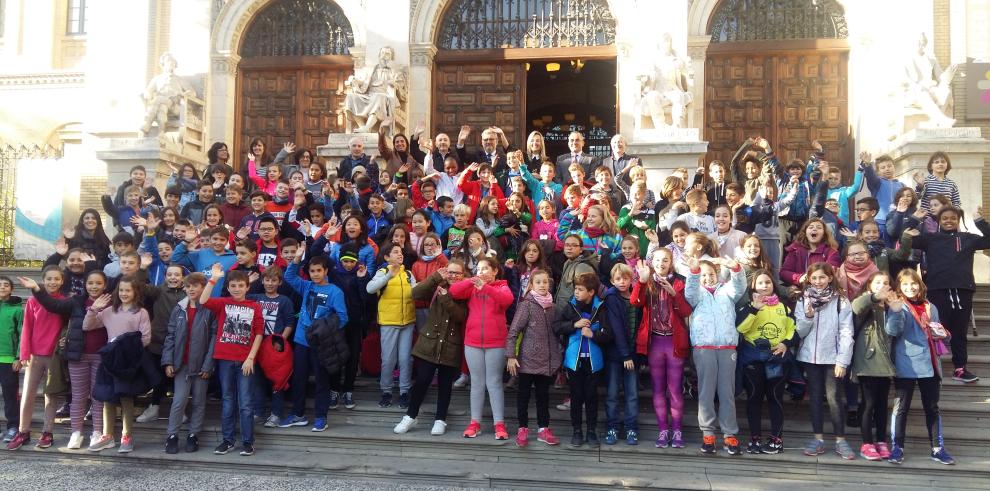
(536, 152)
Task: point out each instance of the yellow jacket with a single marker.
(395, 301)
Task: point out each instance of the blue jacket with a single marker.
(567, 315)
(440, 221)
(366, 255)
(883, 190)
(203, 260)
(623, 346)
(911, 355)
(317, 301)
(156, 272)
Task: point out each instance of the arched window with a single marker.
(490, 24)
(773, 20)
(299, 28)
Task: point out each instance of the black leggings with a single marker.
(353, 334)
(8, 384)
(823, 385)
(584, 394)
(758, 388)
(424, 377)
(954, 309)
(874, 409)
(542, 384)
(903, 393)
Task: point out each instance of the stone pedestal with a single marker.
(666, 150)
(125, 150)
(968, 152)
(338, 147)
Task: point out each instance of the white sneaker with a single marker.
(148, 415)
(461, 381)
(272, 421)
(439, 427)
(95, 437)
(404, 425)
(75, 441)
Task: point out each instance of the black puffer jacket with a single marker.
(328, 339)
(126, 369)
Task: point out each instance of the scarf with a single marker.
(875, 248)
(818, 298)
(594, 232)
(545, 301)
(919, 310)
(660, 307)
(855, 277)
(280, 201)
(771, 300)
(426, 258)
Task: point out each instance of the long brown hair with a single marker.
(829, 271)
(802, 236)
(138, 289)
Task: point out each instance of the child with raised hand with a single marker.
(768, 333)
(872, 367)
(868, 233)
(597, 230)
(187, 357)
(534, 353)
(11, 320)
(663, 338)
(162, 301)
(266, 183)
(824, 323)
(696, 246)
(813, 244)
(636, 217)
(914, 324)
(713, 339)
(397, 321)
(620, 357)
(240, 325)
(696, 218)
(352, 278)
(126, 315)
(185, 179)
(936, 182)
(725, 236)
(280, 315)
(882, 186)
(514, 224)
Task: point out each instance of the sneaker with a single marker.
(814, 447)
(9, 435)
(247, 449)
(754, 447)
(544, 435)
(62, 411)
(404, 425)
(272, 421)
(192, 443)
(731, 445)
(105, 441)
(439, 428)
(632, 438)
(678, 440)
(500, 432)
(19, 440)
(95, 437)
(75, 441)
(462, 381)
(292, 420)
(126, 444)
(852, 418)
(883, 450)
(46, 440)
(577, 439)
(334, 399)
(473, 429)
(964, 376)
(349, 400)
(591, 438)
(564, 406)
(172, 444)
(319, 424)
(386, 400)
(404, 400)
(611, 436)
(844, 450)
(149, 415)
(869, 452)
(512, 383)
(773, 446)
(708, 444)
(223, 448)
(896, 455)
(663, 440)
(522, 437)
(942, 457)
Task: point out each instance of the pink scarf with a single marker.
(545, 301)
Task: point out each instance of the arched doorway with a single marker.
(524, 65)
(290, 81)
(778, 69)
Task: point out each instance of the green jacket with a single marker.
(11, 320)
(441, 338)
(871, 353)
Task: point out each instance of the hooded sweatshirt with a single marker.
(11, 320)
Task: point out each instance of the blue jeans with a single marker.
(237, 397)
(262, 391)
(616, 376)
(304, 363)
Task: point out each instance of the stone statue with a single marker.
(164, 95)
(376, 96)
(929, 88)
(667, 85)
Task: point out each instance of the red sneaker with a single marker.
(522, 437)
(473, 429)
(546, 436)
(45, 441)
(883, 450)
(500, 432)
(19, 440)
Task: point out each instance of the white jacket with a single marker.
(826, 338)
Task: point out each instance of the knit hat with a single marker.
(349, 251)
(356, 169)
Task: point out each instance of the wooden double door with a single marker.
(301, 104)
(789, 98)
(480, 95)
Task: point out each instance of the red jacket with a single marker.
(232, 215)
(472, 193)
(277, 365)
(799, 258)
(682, 310)
(421, 270)
(485, 327)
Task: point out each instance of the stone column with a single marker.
(421, 85)
(222, 95)
(697, 49)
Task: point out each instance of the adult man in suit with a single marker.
(619, 158)
(575, 142)
(494, 146)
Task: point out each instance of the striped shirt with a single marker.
(933, 186)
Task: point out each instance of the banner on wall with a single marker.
(38, 212)
(978, 91)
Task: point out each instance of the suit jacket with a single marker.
(500, 169)
(617, 165)
(588, 163)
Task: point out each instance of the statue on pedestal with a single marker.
(929, 88)
(164, 96)
(667, 85)
(376, 96)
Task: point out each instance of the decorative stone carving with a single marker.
(928, 88)
(165, 98)
(422, 55)
(376, 96)
(666, 87)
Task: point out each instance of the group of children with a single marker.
(468, 267)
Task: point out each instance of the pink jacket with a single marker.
(262, 181)
(41, 328)
(485, 327)
(549, 230)
(799, 258)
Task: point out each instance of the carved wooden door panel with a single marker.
(321, 97)
(480, 95)
(738, 94)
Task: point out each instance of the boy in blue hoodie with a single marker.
(352, 277)
(159, 250)
(319, 299)
(11, 320)
(280, 315)
(883, 187)
(202, 260)
(620, 356)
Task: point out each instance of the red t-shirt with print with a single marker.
(237, 325)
